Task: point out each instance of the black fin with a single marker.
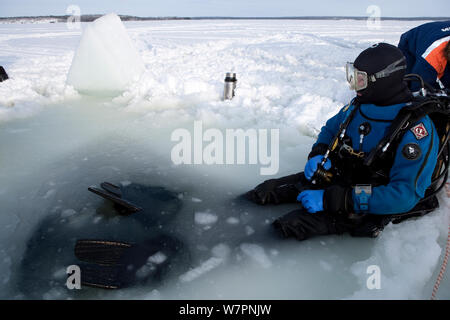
(104, 253)
(124, 206)
(111, 188)
(104, 277)
(115, 265)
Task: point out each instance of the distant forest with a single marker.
(92, 17)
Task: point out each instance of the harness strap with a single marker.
(405, 120)
(400, 123)
(321, 174)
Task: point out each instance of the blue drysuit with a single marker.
(415, 157)
(423, 48)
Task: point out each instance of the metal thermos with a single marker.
(230, 86)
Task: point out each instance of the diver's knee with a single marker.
(290, 226)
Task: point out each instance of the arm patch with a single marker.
(419, 131)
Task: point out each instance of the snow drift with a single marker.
(106, 60)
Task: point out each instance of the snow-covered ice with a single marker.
(56, 142)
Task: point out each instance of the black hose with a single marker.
(415, 75)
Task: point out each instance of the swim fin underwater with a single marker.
(113, 193)
(113, 250)
(114, 265)
(111, 264)
(149, 205)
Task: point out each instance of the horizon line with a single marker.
(226, 17)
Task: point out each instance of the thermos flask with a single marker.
(230, 86)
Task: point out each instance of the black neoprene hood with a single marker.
(388, 90)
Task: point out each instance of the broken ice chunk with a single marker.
(106, 61)
(257, 254)
(205, 218)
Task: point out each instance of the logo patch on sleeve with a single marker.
(419, 131)
(412, 151)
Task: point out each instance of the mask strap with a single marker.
(389, 70)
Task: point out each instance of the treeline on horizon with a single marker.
(92, 17)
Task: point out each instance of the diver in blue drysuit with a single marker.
(360, 200)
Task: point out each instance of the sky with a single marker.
(235, 8)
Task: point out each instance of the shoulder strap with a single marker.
(350, 111)
(399, 124)
(405, 120)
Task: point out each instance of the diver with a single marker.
(373, 162)
(427, 52)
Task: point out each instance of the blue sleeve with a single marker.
(446, 78)
(415, 42)
(426, 71)
(408, 48)
(330, 129)
(409, 178)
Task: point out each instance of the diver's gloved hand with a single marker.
(313, 163)
(312, 200)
